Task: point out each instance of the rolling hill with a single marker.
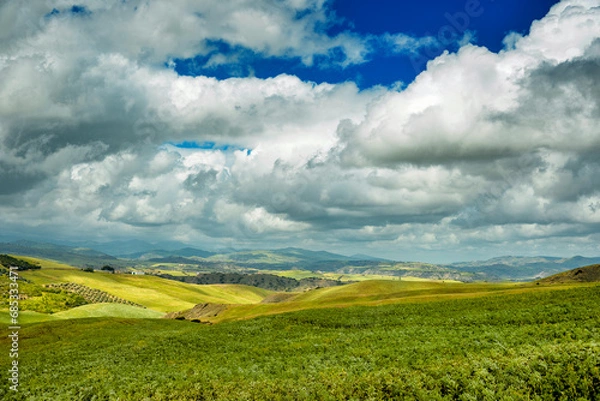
(81, 257)
(586, 274)
(371, 293)
(190, 259)
(161, 253)
(108, 310)
(153, 292)
(539, 344)
(522, 268)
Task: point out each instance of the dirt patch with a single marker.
(278, 297)
(198, 312)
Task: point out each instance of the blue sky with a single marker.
(486, 22)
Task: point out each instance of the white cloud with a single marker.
(483, 150)
(156, 31)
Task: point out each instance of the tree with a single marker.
(108, 268)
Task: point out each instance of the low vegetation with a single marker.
(41, 299)
(536, 345)
(92, 295)
(108, 310)
(267, 281)
(372, 292)
(8, 261)
(51, 301)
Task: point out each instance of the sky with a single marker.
(434, 130)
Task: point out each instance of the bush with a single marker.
(108, 268)
(8, 261)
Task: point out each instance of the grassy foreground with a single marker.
(534, 345)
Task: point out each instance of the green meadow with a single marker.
(378, 292)
(535, 345)
(150, 291)
(367, 340)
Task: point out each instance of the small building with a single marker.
(138, 272)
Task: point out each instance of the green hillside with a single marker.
(534, 345)
(108, 310)
(152, 292)
(377, 292)
(26, 317)
(586, 274)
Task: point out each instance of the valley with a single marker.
(135, 337)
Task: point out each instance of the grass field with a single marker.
(26, 317)
(92, 310)
(377, 292)
(161, 295)
(536, 344)
(108, 310)
(153, 292)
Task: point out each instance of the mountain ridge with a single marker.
(503, 268)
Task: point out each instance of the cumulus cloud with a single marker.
(154, 32)
(482, 151)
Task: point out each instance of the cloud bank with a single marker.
(483, 154)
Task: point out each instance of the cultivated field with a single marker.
(152, 292)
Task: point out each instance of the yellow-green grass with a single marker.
(92, 310)
(108, 310)
(153, 292)
(25, 317)
(45, 263)
(370, 293)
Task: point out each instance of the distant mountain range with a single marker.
(523, 268)
(161, 253)
(82, 257)
(507, 268)
(127, 247)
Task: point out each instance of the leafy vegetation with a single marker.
(41, 299)
(108, 268)
(266, 281)
(51, 301)
(534, 345)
